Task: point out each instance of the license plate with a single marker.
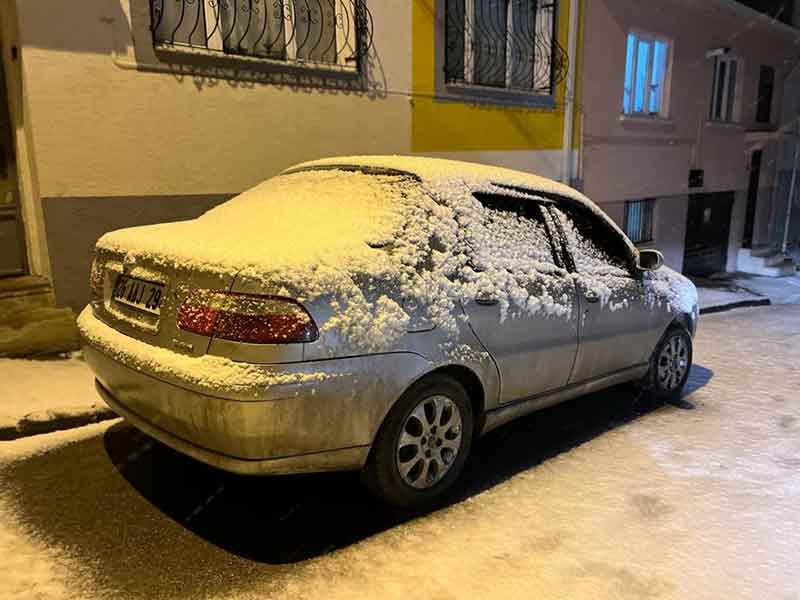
(142, 295)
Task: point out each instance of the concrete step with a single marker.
(30, 323)
(778, 260)
(760, 251)
(769, 265)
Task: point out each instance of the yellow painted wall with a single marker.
(449, 126)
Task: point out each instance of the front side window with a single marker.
(508, 44)
(290, 30)
(639, 220)
(595, 247)
(647, 67)
(724, 92)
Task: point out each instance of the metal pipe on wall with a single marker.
(569, 91)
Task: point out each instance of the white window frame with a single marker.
(666, 84)
(729, 114)
(469, 53)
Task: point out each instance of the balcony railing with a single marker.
(330, 33)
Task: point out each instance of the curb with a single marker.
(49, 421)
(741, 304)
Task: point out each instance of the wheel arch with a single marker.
(465, 376)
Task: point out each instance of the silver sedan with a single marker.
(377, 314)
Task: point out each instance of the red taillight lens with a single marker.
(247, 318)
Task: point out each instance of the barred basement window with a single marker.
(507, 44)
(326, 32)
(639, 220)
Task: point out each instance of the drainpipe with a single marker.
(569, 92)
(792, 193)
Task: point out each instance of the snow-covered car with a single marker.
(376, 313)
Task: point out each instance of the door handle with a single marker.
(486, 299)
(591, 297)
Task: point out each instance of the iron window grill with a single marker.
(639, 220)
(507, 44)
(323, 32)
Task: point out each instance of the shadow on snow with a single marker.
(104, 499)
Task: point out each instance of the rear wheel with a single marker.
(670, 365)
(423, 444)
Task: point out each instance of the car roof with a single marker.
(439, 172)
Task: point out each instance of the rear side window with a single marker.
(595, 247)
(517, 236)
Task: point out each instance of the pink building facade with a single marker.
(681, 125)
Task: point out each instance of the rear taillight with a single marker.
(247, 318)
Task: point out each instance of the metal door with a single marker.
(752, 199)
(708, 226)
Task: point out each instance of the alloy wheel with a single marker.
(673, 363)
(429, 442)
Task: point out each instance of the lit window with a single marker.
(723, 97)
(639, 220)
(646, 75)
(508, 44)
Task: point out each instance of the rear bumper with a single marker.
(285, 422)
(332, 460)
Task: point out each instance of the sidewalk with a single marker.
(741, 290)
(47, 394)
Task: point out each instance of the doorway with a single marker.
(12, 237)
(752, 199)
(708, 226)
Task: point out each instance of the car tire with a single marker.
(415, 458)
(670, 365)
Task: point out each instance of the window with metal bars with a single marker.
(639, 220)
(505, 44)
(324, 32)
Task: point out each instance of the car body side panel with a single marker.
(617, 333)
(534, 353)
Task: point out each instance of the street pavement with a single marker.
(607, 496)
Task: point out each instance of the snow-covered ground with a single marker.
(600, 498)
(36, 392)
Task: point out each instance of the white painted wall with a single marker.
(101, 128)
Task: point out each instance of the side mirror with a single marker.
(649, 260)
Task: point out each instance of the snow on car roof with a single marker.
(440, 171)
(441, 174)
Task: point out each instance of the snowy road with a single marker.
(598, 498)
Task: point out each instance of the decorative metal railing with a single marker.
(325, 32)
(510, 44)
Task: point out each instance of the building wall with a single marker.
(631, 158)
(124, 137)
(530, 138)
(121, 135)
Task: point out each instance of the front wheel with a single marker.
(670, 365)
(423, 444)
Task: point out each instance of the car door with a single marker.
(524, 310)
(617, 326)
